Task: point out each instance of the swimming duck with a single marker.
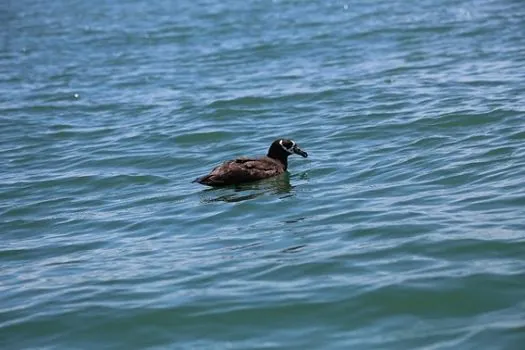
(243, 170)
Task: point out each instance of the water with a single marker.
(404, 229)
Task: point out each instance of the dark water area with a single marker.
(403, 229)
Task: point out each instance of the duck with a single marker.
(243, 170)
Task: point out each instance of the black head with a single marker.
(280, 149)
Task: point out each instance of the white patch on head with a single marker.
(289, 150)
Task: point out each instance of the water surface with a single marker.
(403, 229)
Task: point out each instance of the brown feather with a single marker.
(242, 170)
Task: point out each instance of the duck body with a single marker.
(242, 170)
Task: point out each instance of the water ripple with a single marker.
(403, 228)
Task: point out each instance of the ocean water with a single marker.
(403, 229)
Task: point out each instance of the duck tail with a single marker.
(203, 180)
(199, 179)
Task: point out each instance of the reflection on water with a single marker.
(303, 175)
(278, 185)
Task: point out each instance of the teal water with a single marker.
(404, 229)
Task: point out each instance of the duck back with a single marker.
(242, 170)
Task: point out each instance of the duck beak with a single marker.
(300, 152)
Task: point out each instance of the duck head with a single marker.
(280, 150)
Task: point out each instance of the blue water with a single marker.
(403, 229)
